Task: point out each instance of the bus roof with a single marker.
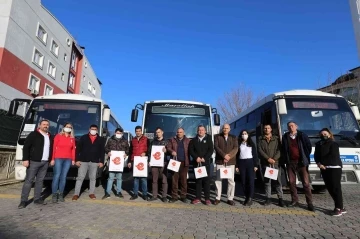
(70, 97)
(283, 93)
(176, 101)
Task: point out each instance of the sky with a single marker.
(201, 49)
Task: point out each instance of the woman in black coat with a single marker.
(327, 157)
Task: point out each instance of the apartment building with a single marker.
(38, 56)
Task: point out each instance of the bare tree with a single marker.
(235, 101)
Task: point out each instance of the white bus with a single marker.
(128, 136)
(81, 111)
(172, 114)
(311, 110)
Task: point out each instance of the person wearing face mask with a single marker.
(116, 143)
(91, 157)
(247, 165)
(327, 158)
(226, 147)
(63, 157)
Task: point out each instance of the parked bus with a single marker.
(311, 110)
(128, 136)
(81, 111)
(172, 114)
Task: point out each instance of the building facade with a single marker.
(38, 56)
(347, 85)
(355, 16)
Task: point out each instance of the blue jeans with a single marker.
(143, 186)
(61, 169)
(110, 182)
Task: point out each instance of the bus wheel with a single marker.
(319, 188)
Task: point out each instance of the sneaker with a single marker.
(196, 201)
(336, 213)
(39, 202)
(106, 196)
(54, 198)
(119, 195)
(208, 202)
(22, 205)
(343, 211)
(61, 197)
(184, 200)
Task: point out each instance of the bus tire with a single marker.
(319, 188)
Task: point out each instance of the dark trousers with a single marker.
(292, 169)
(35, 170)
(179, 177)
(247, 177)
(156, 172)
(203, 182)
(332, 180)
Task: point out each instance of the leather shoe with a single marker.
(75, 198)
(231, 202)
(134, 197)
(216, 202)
(92, 196)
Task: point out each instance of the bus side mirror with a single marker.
(14, 105)
(106, 114)
(355, 110)
(216, 119)
(134, 115)
(281, 105)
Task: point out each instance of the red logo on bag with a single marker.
(116, 161)
(271, 171)
(225, 171)
(199, 170)
(140, 166)
(157, 156)
(174, 164)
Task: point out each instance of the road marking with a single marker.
(229, 209)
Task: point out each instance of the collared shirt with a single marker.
(201, 138)
(245, 151)
(293, 136)
(46, 150)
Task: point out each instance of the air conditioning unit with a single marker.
(34, 92)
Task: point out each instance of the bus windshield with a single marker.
(79, 113)
(171, 117)
(313, 114)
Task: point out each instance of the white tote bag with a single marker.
(226, 173)
(271, 173)
(157, 156)
(174, 165)
(140, 168)
(200, 171)
(116, 161)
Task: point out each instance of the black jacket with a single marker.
(157, 142)
(327, 153)
(203, 149)
(34, 147)
(91, 152)
(304, 148)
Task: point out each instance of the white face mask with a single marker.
(118, 136)
(244, 136)
(67, 130)
(93, 132)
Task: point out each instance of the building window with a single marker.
(62, 77)
(51, 70)
(93, 91)
(89, 86)
(41, 34)
(84, 78)
(71, 80)
(55, 48)
(73, 61)
(65, 57)
(34, 83)
(38, 58)
(48, 90)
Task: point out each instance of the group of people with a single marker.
(236, 153)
